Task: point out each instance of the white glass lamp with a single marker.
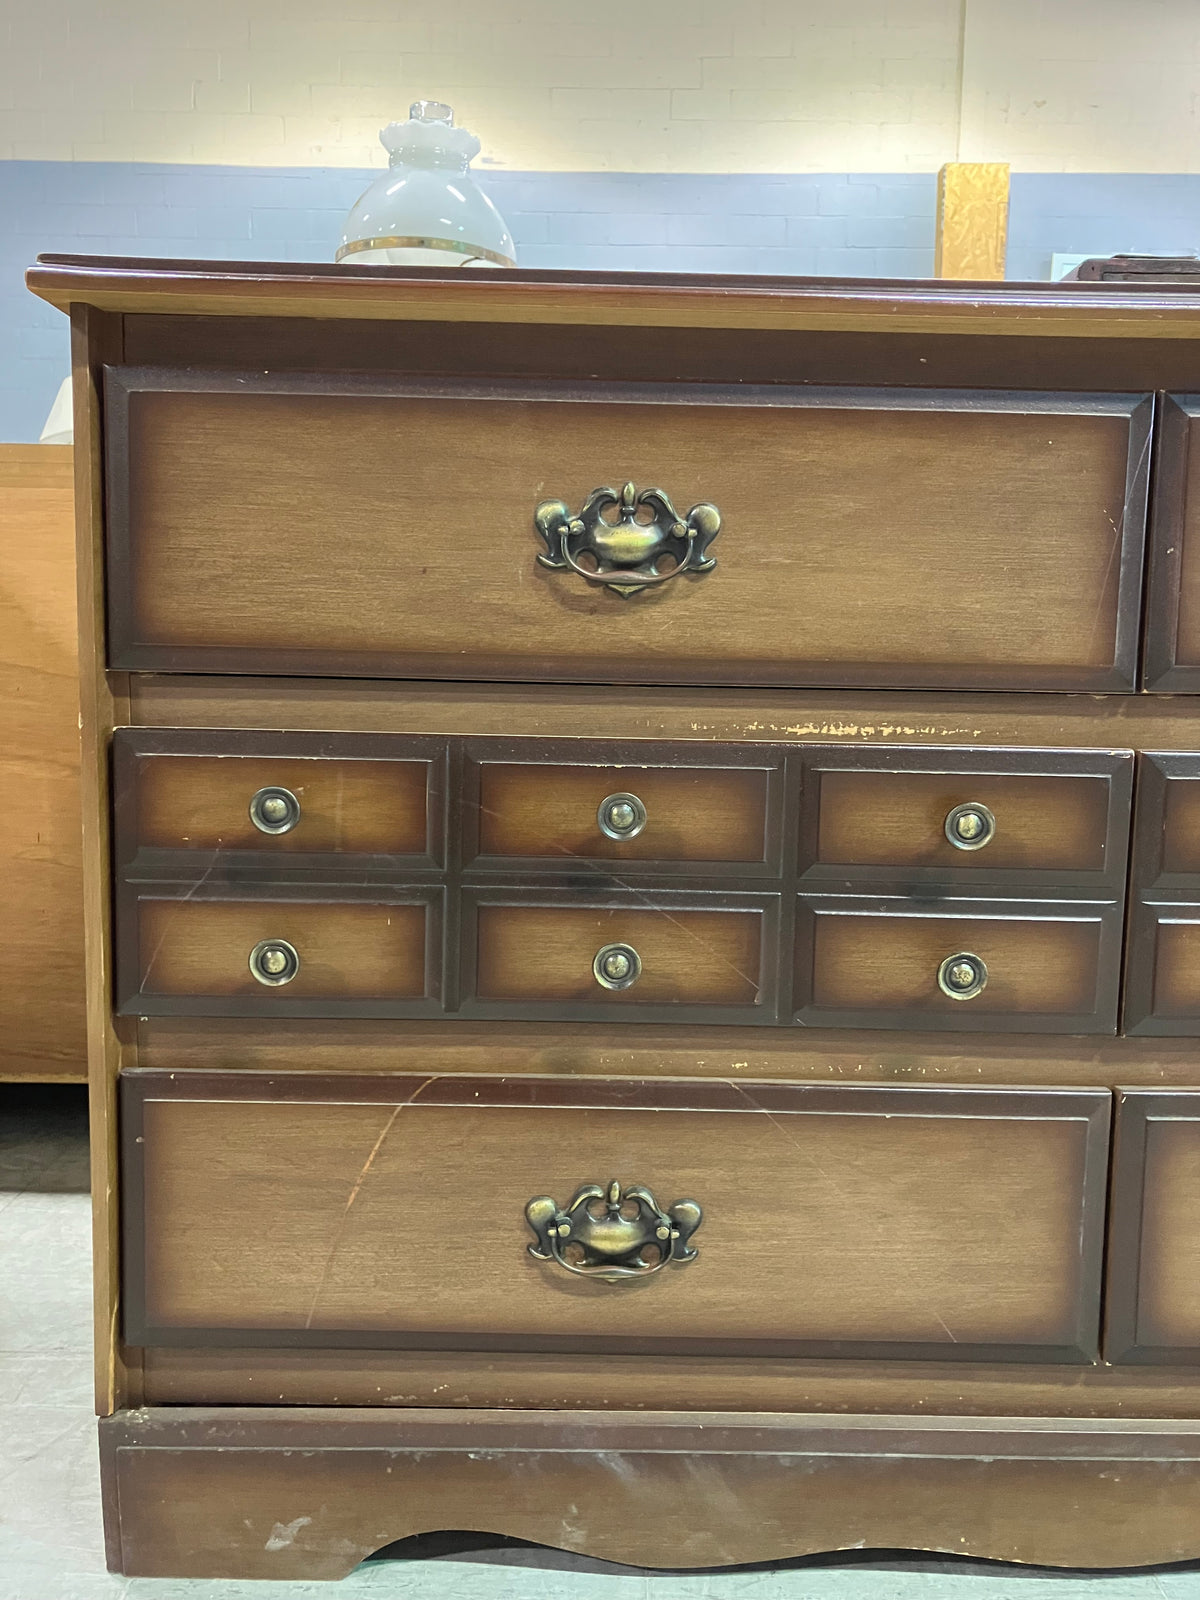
(425, 210)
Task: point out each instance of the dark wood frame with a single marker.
(131, 1000)
(131, 745)
(1117, 766)
(1102, 1018)
(128, 653)
(1135, 1109)
(1155, 896)
(772, 1099)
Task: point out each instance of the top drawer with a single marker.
(296, 523)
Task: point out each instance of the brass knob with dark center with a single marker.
(617, 966)
(274, 810)
(970, 826)
(962, 976)
(274, 962)
(621, 816)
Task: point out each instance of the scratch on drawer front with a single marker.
(355, 1191)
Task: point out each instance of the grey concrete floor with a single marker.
(50, 1537)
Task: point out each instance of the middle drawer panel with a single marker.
(334, 874)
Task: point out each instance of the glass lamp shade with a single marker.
(426, 210)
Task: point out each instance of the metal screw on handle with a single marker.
(962, 976)
(621, 816)
(617, 966)
(274, 962)
(274, 810)
(970, 826)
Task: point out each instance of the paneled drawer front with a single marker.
(1172, 653)
(535, 810)
(948, 1224)
(993, 965)
(867, 537)
(1162, 990)
(310, 952)
(284, 795)
(1061, 815)
(1153, 1295)
(552, 955)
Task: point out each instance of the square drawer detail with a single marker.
(805, 1220)
(667, 955)
(297, 952)
(547, 807)
(994, 965)
(1153, 1294)
(267, 796)
(1050, 816)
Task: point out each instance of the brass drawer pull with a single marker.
(606, 1233)
(963, 976)
(274, 810)
(617, 966)
(624, 554)
(274, 962)
(621, 816)
(970, 826)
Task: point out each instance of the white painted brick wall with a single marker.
(628, 85)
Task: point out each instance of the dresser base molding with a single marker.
(244, 1492)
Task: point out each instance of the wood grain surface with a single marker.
(910, 1222)
(222, 1493)
(42, 1028)
(836, 505)
(1153, 1306)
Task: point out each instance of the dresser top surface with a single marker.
(322, 290)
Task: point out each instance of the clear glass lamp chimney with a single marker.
(426, 209)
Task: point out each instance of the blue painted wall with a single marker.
(862, 225)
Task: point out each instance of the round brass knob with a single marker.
(963, 976)
(617, 966)
(621, 816)
(274, 810)
(970, 826)
(274, 961)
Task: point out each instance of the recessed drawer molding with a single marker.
(807, 1220)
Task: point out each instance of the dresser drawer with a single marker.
(1003, 815)
(948, 1223)
(1153, 1295)
(310, 952)
(991, 965)
(665, 954)
(283, 523)
(532, 805)
(285, 795)
(1162, 980)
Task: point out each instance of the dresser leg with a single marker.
(237, 1492)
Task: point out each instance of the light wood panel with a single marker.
(972, 220)
(42, 1028)
(836, 1219)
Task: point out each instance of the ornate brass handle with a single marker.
(606, 1243)
(626, 552)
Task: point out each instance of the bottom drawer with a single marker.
(297, 1209)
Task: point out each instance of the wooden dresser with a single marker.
(643, 894)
